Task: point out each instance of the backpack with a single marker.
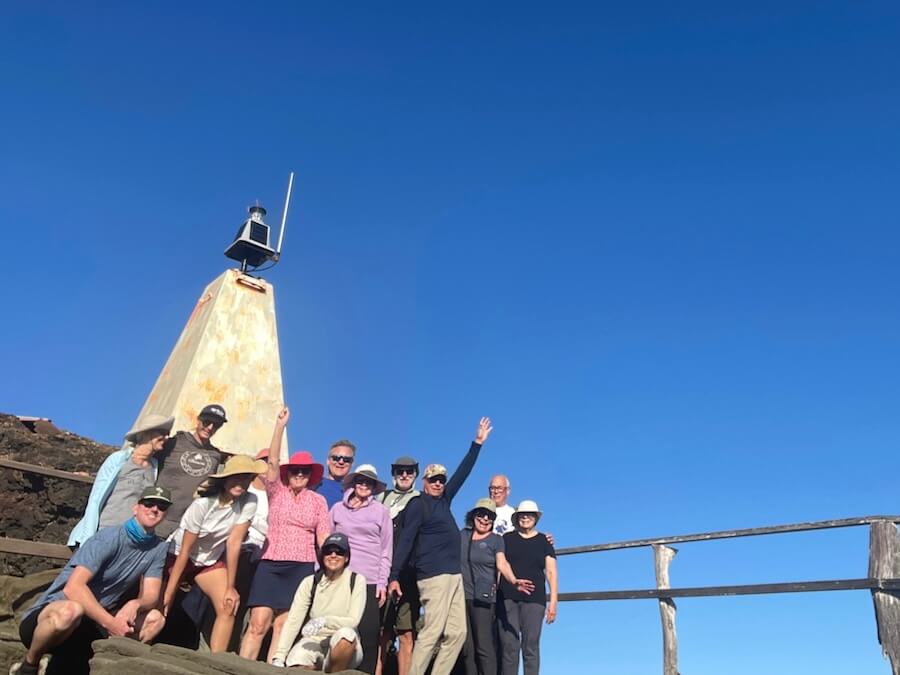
(317, 577)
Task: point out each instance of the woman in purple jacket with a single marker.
(367, 524)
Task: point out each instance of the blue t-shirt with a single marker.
(332, 491)
(117, 563)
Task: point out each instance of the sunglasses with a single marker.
(404, 472)
(365, 482)
(486, 515)
(332, 551)
(341, 459)
(437, 479)
(215, 424)
(299, 470)
(526, 515)
(160, 506)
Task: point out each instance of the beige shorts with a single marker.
(316, 652)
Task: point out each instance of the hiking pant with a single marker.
(520, 629)
(444, 602)
(481, 650)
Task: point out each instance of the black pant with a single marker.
(480, 649)
(369, 628)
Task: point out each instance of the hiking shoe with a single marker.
(22, 668)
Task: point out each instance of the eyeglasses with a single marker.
(341, 459)
(497, 488)
(332, 551)
(526, 515)
(403, 471)
(161, 506)
(486, 515)
(299, 470)
(437, 479)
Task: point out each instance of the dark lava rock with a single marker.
(36, 507)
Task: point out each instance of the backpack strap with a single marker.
(352, 581)
(317, 577)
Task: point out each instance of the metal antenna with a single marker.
(287, 203)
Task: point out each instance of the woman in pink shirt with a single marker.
(298, 521)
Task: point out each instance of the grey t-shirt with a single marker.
(483, 560)
(116, 563)
(131, 481)
(184, 465)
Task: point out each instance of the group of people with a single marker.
(272, 549)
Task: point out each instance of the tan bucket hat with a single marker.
(241, 464)
(148, 422)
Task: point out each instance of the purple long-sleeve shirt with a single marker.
(371, 534)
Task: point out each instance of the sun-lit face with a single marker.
(149, 512)
(363, 487)
(298, 477)
(483, 520)
(333, 559)
(434, 486)
(340, 461)
(237, 485)
(404, 477)
(526, 521)
(207, 427)
(498, 490)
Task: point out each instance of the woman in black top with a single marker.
(531, 556)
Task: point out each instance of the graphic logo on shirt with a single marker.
(501, 527)
(196, 463)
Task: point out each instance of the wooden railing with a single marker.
(883, 579)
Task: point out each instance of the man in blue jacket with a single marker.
(430, 541)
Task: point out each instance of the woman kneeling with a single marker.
(328, 606)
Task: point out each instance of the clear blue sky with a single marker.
(657, 244)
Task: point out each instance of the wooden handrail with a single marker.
(38, 548)
(43, 470)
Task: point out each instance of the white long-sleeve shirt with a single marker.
(334, 602)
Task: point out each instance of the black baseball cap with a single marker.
(214, 411)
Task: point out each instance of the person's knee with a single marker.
(406, 639)
(67, 616)
(259, 624)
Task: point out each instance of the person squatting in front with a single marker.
(430, 539)
(367, 524)
(206, 546)
(83, 603)
(400, 615)
(327, 609)
(297, 524)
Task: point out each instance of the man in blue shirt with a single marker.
(340, 461)
(84, 602)
(430, 541)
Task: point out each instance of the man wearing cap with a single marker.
(84, 602)
(122, 477)
(430, 539)
(187, 460)
(341, 455)
(328, 606)
(401, 615)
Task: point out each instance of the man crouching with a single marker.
(78, 607)
(329, 606)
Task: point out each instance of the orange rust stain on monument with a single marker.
(202, 301)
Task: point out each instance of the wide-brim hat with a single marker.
(485, 503)
(304, 458)
(527, 506)
(241, 464)
(149, 422)
(368, 471)
(405, 462)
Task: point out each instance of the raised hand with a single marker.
(283, 417)
(484, 430)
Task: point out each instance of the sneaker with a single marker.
(22, 668)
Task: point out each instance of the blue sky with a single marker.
(656, 243)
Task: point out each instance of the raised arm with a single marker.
(274, 461)
(468, 462)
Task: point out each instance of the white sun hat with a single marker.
(528, 506)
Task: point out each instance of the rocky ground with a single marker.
(42, 508)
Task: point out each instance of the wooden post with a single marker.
(662, 556)
(884, 563)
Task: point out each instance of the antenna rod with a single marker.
(287, 202)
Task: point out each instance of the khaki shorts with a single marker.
(405, 611)
(316, 652)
